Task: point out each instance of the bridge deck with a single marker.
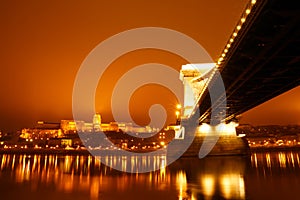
(264, 59)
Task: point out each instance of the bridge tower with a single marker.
(217, 139)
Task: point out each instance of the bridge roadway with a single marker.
(262, 59)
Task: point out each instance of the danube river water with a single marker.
(274, 175)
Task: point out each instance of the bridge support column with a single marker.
(218, 140)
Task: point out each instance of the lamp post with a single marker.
(178, 114)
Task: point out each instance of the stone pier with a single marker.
(217, 140)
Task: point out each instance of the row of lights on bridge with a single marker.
(235, 33)
(231, 40)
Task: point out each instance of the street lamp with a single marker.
(178, 111)
(177, 114)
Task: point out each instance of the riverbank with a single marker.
(103, 152)
(274, 149)
(45, 151)
(117, 152)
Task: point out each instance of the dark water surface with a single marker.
(273, 175)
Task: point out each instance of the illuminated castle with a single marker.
(97, 122)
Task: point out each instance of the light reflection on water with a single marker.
(275, 160)
(85, 177)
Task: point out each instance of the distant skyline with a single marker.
(43, 44)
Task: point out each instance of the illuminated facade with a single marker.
(129, 127)
(71, 126)
(194, 78)
(42, 130)
(87, 127)
(97, 122)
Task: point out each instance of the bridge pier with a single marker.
(217, 141)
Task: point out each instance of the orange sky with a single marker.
(43, 44)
